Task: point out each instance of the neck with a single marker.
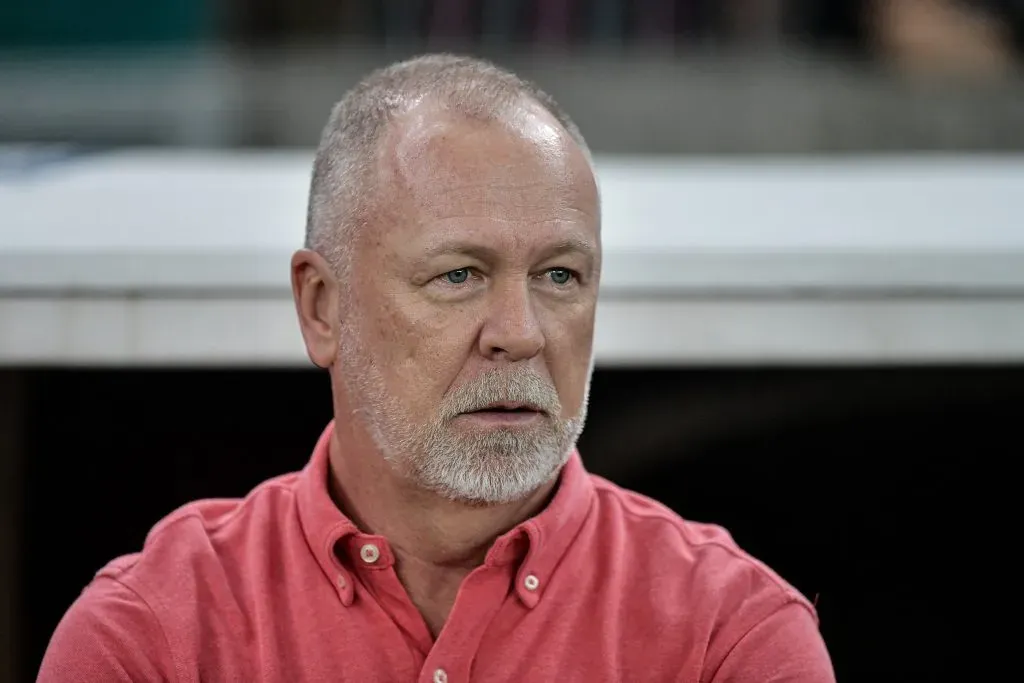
(436, 542)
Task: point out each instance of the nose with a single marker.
(511, 331)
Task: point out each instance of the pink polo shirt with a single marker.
(603, 585)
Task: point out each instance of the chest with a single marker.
(572, 631)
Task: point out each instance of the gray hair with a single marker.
(341, 189)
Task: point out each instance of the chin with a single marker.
(501, 472)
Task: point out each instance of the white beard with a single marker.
(501, 466)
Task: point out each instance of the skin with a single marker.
(511, 205)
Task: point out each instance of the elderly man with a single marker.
(445, 528)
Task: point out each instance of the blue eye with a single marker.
(560, 276)
(457, 277)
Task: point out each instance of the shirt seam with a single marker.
(787, 591)
(789, 600)
(190, 514)
(156, 618)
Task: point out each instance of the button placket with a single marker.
(482, 595)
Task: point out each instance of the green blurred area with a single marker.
(85, 23)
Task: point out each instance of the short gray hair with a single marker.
(347, 157)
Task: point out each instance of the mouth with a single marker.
(508, 407)
(506, 413)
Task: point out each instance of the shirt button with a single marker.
(370, 553)
(531, 582)
(440, 676)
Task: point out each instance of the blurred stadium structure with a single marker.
(650, 76)
(813, 314)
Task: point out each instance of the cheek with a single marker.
(388, 331)
(421, 348)
(569, 345)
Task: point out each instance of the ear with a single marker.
(315, 290)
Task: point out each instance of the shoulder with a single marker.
(110, 633)
(209, 543)
(141, 609)
(219, 517)
(700, 582)
(704, 556)
(205, 536)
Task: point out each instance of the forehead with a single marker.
(522, 169)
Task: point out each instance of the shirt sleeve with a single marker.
(785, 647)
(108, 635)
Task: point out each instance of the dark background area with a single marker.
(866, 488)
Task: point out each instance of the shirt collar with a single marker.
(322, 522)
(538, 544)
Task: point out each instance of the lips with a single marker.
(508, 407)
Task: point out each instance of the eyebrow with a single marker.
(483, 252)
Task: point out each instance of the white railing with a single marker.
(181, 258)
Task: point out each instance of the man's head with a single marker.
(451, 272)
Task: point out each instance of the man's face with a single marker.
(466, 337)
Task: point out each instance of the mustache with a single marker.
(520, 385)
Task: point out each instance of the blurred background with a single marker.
(812, 323)
(746, 76)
